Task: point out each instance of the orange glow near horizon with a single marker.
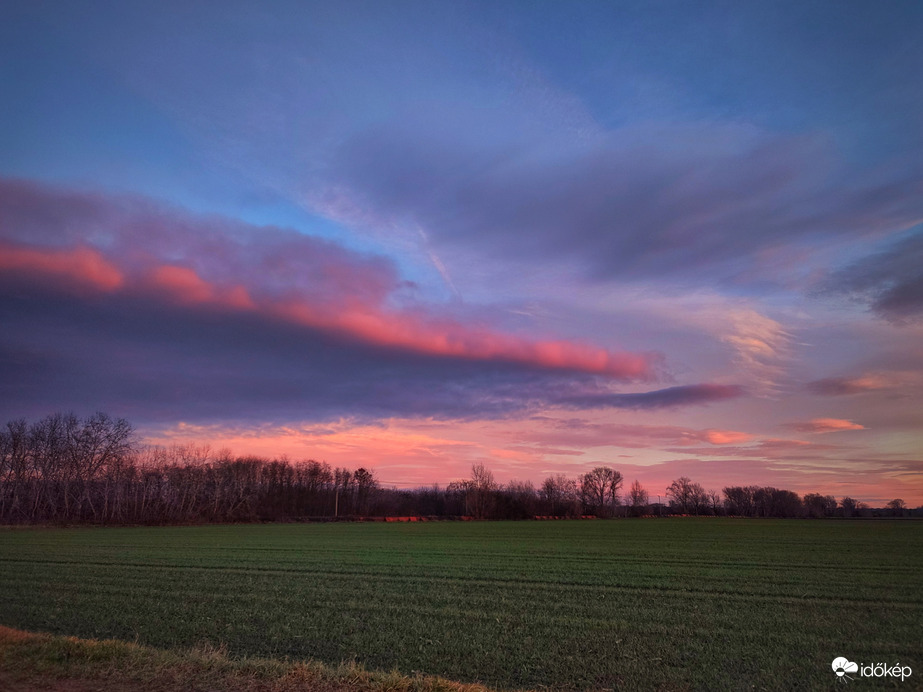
(410, 452)
(415, 453)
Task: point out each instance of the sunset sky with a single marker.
(674, 238)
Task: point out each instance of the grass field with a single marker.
(632, 604)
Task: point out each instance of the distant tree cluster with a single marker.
(63, 469)
(687, 497)
(595, 493)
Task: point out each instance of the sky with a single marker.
(678, 239)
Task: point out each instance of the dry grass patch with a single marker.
(30, 661)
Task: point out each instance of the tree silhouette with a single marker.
(600, 489)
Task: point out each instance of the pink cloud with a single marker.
(726, 437)
(77, 267)
(826, 425)
(186, 287)
(418, 332)
(147, 251)
(864, 383)
(579, 433)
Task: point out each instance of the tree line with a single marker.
(63, 469)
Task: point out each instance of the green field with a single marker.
(631, 604)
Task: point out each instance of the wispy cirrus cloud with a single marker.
(762, 347)
(672, 202)
(870, 382)
(580, 433)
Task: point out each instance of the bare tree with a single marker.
(638, 498)
(849, 507)
(559, 493)
(342, 478)
(738, 500)
(698, 499)
(98, 442)
(365, 487)
(481, 489)
(518, 499)
(14, 467)
(681, 493)
(458, 496)
(600, 489)
(817, 505)
(897, 507)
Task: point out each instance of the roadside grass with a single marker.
(30, 661)
(669, 604)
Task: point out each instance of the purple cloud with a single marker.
(890, 281)
(148, 311)
(669, 202)
(670, 397)
(136, 246)
(153, 360)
